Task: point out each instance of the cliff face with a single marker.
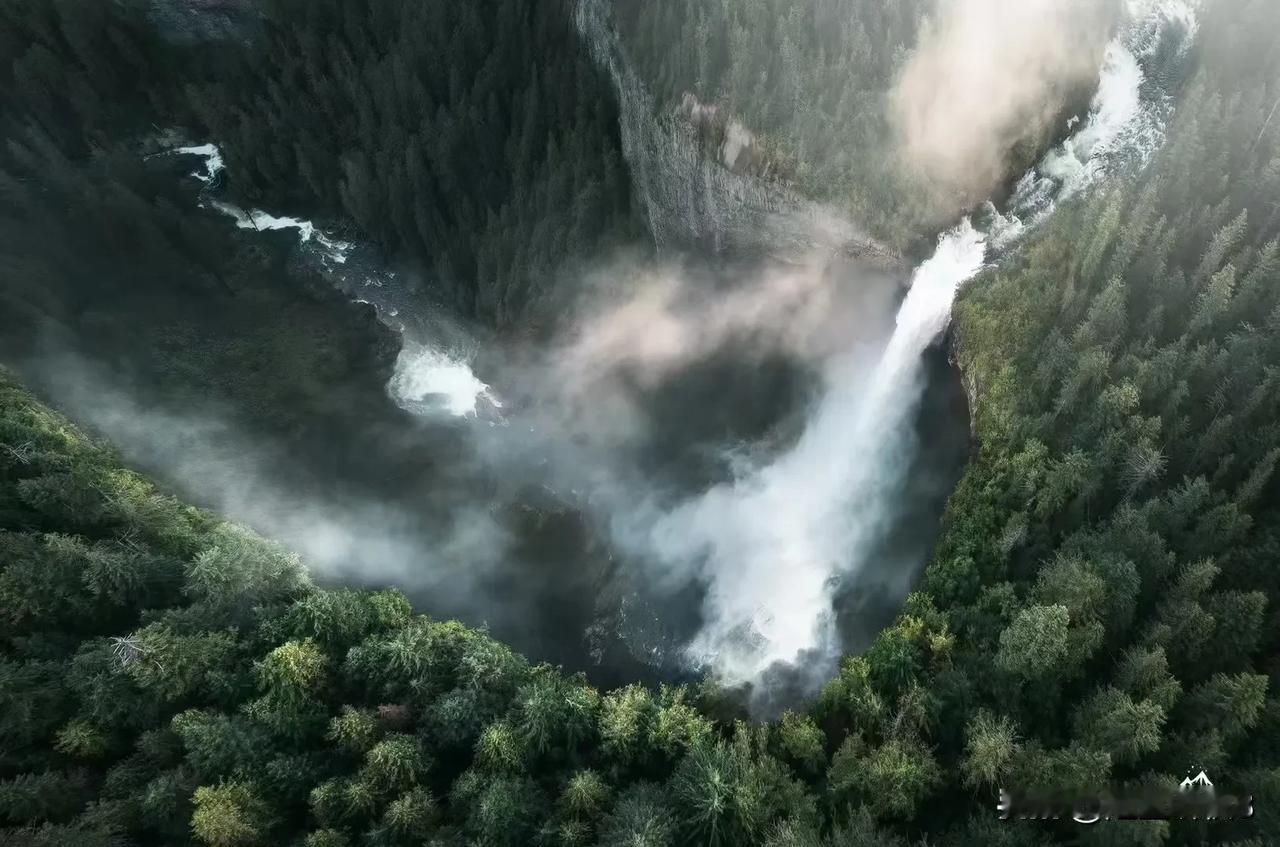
(712, 199)
(735, 146)
(194, 21)
(968, 380)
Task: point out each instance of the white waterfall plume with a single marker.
(428, 379)
(773, 545)
(213, 164)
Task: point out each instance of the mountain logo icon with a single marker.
(1199, 782)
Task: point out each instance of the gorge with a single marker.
(650, 423)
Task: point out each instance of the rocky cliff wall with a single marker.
(689, 196)
(193, 21)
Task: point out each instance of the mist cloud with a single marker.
(986, 76)
(667, 320)
(663, 319)
(786, 526)
(774, 544)
(341, 536)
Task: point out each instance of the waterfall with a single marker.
(775, 544)
(428, 380)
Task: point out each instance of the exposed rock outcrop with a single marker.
(194, 21)
(713, 200)
(968, 379)
(736, 146)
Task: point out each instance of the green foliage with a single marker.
(626, 719)
(1111, 720)
(800, 740)
(556, 713)
(325, 838)
(292, 678)
(505, 811)
(239, 568)
(677, 726)
(356, 730)
(409, 818)
(501, 748)
(642, 817)
(1120, 371)
(891, 778)
(228, 815)
(165, 803)
(478, 139)
(328, 802)
(705, 788)
(730, 793)
(339, 619)
(40, 796)
(176, 667)
(852, 697)
(294, 669)
(396, 763)
(1070, 771)
(990, 744)
(1231, 704)
(218, 744)
(1144, 673)
(585, 795)
(81, 739)
(1036, 644)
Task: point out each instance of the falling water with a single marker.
(775, 544)
(427, 379)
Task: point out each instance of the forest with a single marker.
(812, 81)
(810, 78)
(364, 108)
(1102, 607)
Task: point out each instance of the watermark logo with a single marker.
(1195, 798)
(1198, 783)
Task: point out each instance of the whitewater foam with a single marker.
(427, 380)
(331, 249)
(1123, 127)
(213, 165)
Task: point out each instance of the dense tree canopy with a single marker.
(477, 138)
(476, 142)
(1113, 542)
(107, 251)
